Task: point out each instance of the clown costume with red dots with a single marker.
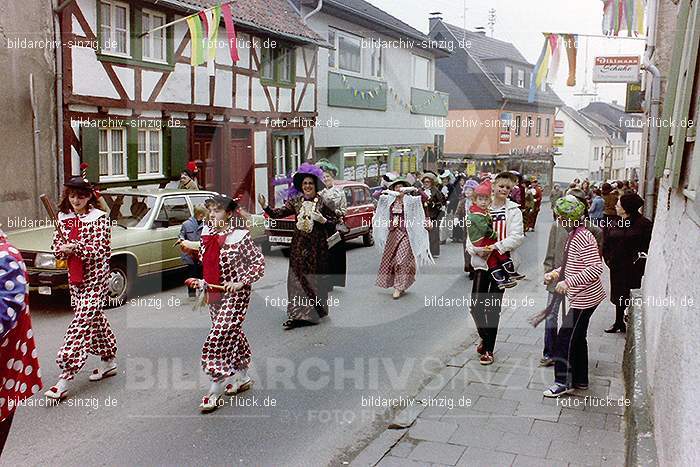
(232, 260)
(19, 366)
(83, 239)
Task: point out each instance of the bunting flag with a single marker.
(197, 57)
(539, 74)
(213, 20)
(571, 41)
(230, 31)
(623, 14)
(547, 65)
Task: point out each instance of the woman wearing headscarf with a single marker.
(578, 278)
(623, 243)
(307, 284)
(18, 360)
(433, 201)
(399, 233)
(335, 199)
(83, 239)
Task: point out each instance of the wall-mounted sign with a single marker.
(360, 172)
(618, 69)
(558, 126)
(504, 137)
(349, 173)
(372, 170)
(633, 104)
(558, 141)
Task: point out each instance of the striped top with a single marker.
(583, 270)
(498, 216)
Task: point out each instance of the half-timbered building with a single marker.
(136, 111)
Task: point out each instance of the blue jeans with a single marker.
(551, 325)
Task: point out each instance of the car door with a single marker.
(173, 211)
(366, 210)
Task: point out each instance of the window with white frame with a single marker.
(538, 129)
(347, 55)
(521, 78)
(528, 129)
(508, 77)
(266, 63)
(154, 43)
(112, 152)
(421, 72)
(150, 152)
(518, 124)
(546, 127)
(114, 27)
(288, 150)
(376, 62)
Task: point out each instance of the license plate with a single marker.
(280, 239)
(44, 290)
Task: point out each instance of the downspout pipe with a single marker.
(652, 105)
(59, 95)
(314, 11)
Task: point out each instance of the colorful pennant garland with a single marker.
(548, 63)
(373, 92)
(623, 14)
(204, 33)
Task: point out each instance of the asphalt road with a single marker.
(306, 407)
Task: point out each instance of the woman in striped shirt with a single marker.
(578, 278)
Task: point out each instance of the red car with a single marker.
(358, 218)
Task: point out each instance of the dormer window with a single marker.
(508, 77)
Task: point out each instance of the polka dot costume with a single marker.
(89, 333)
(226, 350)
(19, 365)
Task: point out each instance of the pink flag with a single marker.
(203, 17)
(230, 31)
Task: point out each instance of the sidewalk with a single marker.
(509, 422)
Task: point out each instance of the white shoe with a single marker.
(107, 369)
(59, 391)
(239, 383)
(211, 401)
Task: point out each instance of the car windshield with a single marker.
(129, 210)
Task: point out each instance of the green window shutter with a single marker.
(176, 142)
(132, 152)
(671, 87)
(136, 39)
(686, 80)
(91, 152)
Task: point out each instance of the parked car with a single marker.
(358, 218)
(146, 225)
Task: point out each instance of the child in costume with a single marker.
(230, 260)
(481, 234)
(19, 365)
(84, 242)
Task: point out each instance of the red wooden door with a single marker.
(242, 168)
(204, 151)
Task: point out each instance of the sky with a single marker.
(522, 23)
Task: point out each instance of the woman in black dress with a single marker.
(307, 283)
(622, 244)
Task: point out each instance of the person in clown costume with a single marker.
(231, 263)
(19, 365)
(83, 239)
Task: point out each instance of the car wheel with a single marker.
(119, 283)
(368, 239)
(286, 252)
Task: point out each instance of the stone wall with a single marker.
(21, 21)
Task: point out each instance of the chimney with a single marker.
(435, 17)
